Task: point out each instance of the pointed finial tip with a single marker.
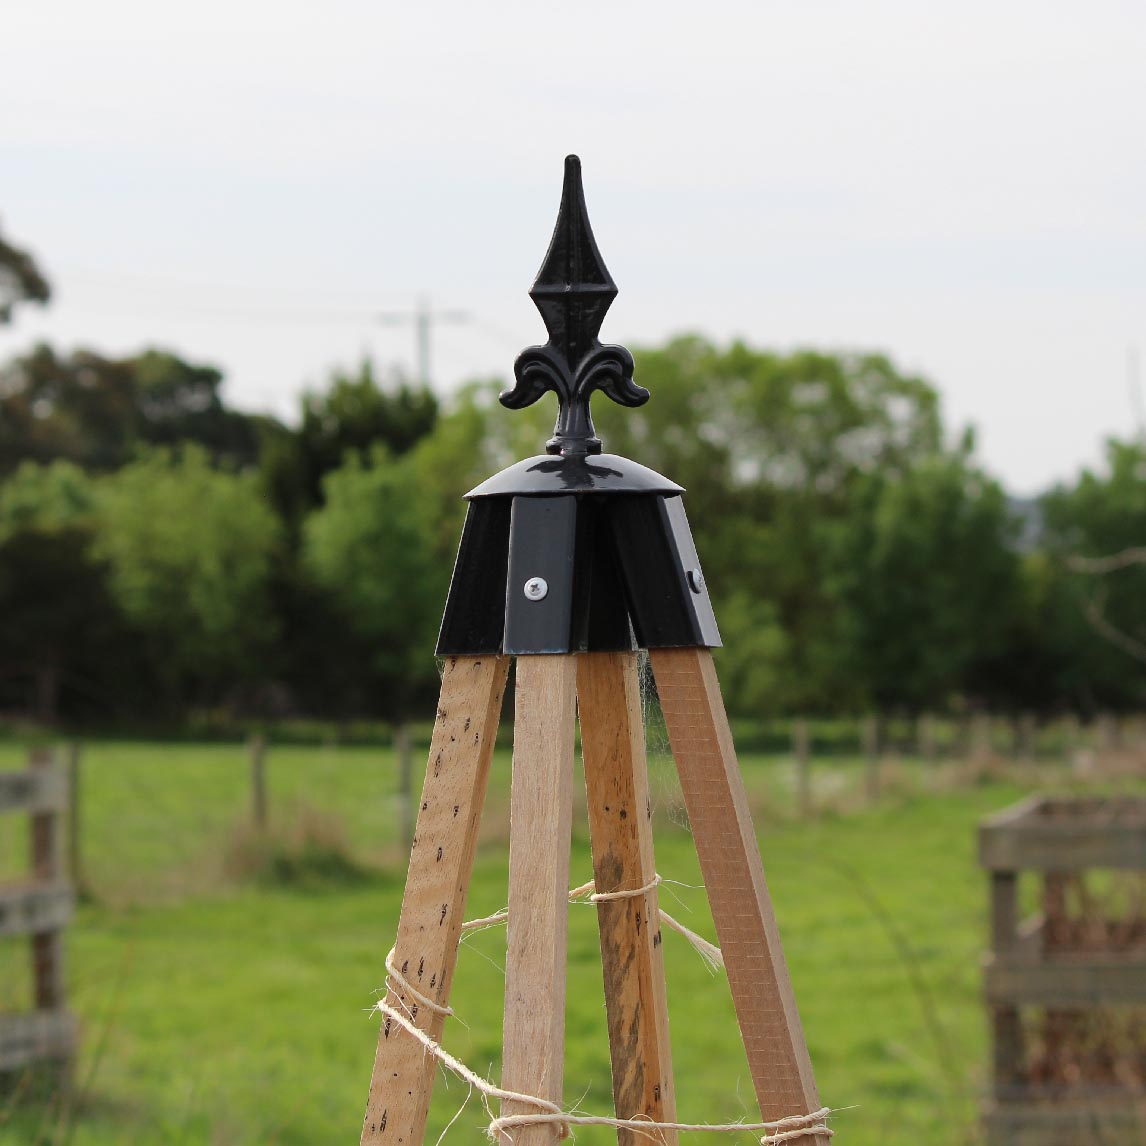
(573, 290)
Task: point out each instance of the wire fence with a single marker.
(166, 819)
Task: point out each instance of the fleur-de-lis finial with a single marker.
(573, 290)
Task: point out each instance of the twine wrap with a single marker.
(782, 1130)
(776, 1132)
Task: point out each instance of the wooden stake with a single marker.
(620, 826)
(433, 905)
(403, 750)
(1110, 732)
(541, 813)
(257, 750)
(982, 746)
(737, 890)
(801, 750)
(1028, 737)
(47, 946)
(75, 854)
(1070, 739)
(871, 752)
(925, 726)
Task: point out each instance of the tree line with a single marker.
(162, 553)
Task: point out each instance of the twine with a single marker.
(709, 952)
(606, 896)
(782, 1130)
(394, 976)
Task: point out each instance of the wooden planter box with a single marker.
(1036, 968)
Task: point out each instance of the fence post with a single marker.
(871, 750)
(403, 750)
(1028, 735)
(801, 749)
(75, 855)
(47, 951)
(1070, 737)
(1110, 732)
(981, 747)
(925, 737)
(257, 750)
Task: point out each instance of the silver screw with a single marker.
(696, 580)
(536, 589)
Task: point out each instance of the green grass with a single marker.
(225, 1014)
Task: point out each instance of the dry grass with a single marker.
(308, 847)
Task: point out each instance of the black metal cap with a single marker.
(600, 473)
(575, 550)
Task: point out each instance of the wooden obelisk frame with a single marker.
(605, 689)
(567, 561)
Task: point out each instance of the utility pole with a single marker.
(423, 317)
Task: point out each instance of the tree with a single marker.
(21, 280)
(926, 581)
(772, 449)
(474, 439)
(354, 414)
(190, 549)
(1092, 530)
(98, 412)
(47, 498)
(60, 628)
(370, 548)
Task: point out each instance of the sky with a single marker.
(961, 186)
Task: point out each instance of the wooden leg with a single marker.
(541, 813)
(433, 907)
(734, 876)
(620, 824)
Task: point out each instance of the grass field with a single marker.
(224, 1011)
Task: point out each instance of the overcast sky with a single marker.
(960, 185)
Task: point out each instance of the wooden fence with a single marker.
(38, 908)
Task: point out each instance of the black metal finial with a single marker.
(573, 290)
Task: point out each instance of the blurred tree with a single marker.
(753, 663)
(21, 280)
(774, 451)
(472, 441)
(178, 402)
(98, 411)
(925, 580)
(853, 556)
(190, 550)
(1099, 602)
(59, 628)
(370, 547)
(354, 413)
(48, 498)
(740, 419)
